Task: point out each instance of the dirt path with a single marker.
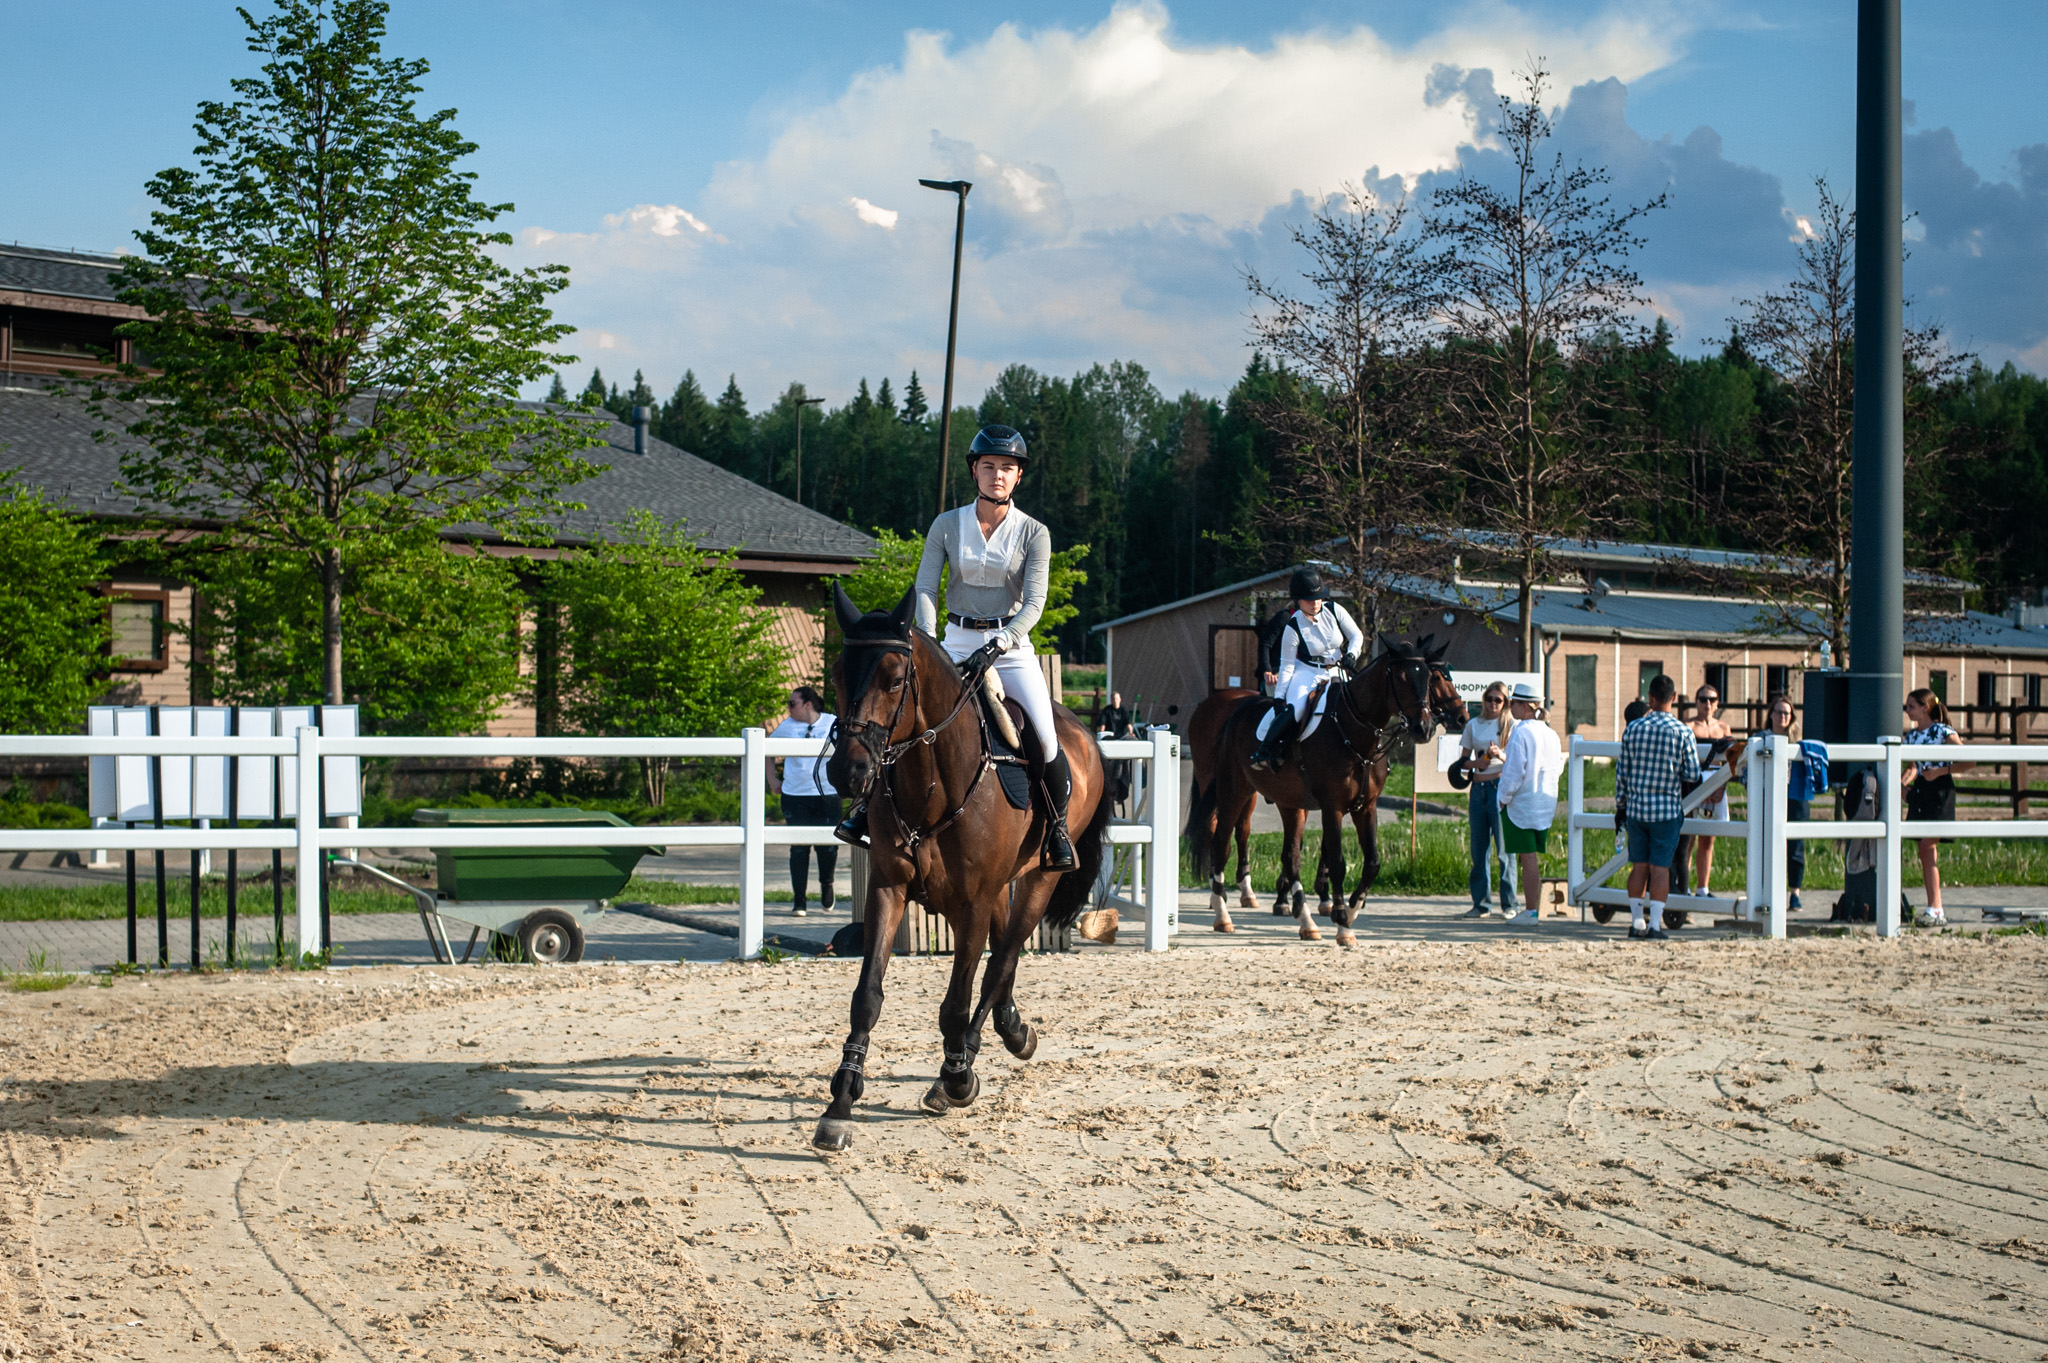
(1741, 1149)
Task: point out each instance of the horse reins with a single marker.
(893, 750)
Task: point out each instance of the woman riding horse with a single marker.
(1001, 561)
(1320, 642)
(915, 747)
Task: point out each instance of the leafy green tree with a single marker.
(730, 443)
(53, 653)
(336, 351)
(661, 639)
(914, 405)
(434, 634)
(639, 396)
(557, 393)
(594, 391)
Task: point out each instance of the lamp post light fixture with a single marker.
(960, 188)
(802, 403)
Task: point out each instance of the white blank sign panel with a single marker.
(341, 776)
(255, 795)
(210, 774)
(175, 721)
(132, 795)
(100, 802)
(291, 719)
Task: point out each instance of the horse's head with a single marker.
(874, 677)
(1419, 687)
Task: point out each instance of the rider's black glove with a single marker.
(983, 658)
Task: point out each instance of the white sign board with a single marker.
(100, 803)
(342, 790)
(210, 774)
(133, 797)
(291, 719)
(175, 721)
(255, 777)
(1431, 777)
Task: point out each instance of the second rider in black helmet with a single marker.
(1001, 561)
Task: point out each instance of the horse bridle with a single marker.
(1418, 673)
(887, 750)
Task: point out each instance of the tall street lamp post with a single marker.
(960, 188)
(801, 403)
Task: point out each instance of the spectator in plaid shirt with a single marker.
(1659, 759)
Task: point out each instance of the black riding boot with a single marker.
(853, 829)
(1059, 848)
(1273, 748)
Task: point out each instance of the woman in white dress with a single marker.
(1000, 561)
(1319, 641)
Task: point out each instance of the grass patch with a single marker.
(1442, 864)
(38, 975)
(649, 890)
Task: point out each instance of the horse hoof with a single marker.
(832, 1134)
(1248, 900)
(1311, 934)
(1026, 1048)
(1224, 925)
(1347, 939)
(938, 1102)
(1282, 911)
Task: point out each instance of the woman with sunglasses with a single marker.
(1930, 789)
(1707, 725)
(1483, 744)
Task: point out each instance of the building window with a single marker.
(1581, 698)
(2034, 689)
(1647, 672)
(139, 642)
(1777, 681)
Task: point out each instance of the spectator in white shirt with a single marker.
(807, 797)
(1528, 792)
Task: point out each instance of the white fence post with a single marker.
(1891, 802)
(753, 846)
(1575, 836)
(1756, 831)
(1162, 855)
(1777, 809)
(309, 840)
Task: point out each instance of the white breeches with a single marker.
(1022, 681)
(1299, 685)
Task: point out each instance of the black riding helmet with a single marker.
(1307, 585)
(998, 440)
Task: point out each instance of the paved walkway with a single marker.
(397, 939)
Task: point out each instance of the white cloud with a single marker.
(1123, 179)
(663, 220)
(867, 212)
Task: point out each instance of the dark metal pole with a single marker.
(1877, 607)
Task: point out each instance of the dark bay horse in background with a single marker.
(914, 747)
(1340, 768)
(1205, 727)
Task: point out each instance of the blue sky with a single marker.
(733, 186)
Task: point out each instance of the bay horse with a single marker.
(917, 751)
(1205, 727)
(1340, 769)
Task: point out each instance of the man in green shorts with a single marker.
(1528, 793)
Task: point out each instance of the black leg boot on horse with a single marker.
(1272, 749)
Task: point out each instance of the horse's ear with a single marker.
(900, 617)
(1422, 644)
(1436, 655)
(1388, 645)
(843, 607)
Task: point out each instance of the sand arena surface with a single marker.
(1815, 1148)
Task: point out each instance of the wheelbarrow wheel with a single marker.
(1603, 913)
(551, 937)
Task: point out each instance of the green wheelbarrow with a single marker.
(534, 897)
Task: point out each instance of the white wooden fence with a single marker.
(301, 752)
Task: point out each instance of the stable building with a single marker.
(58, 313)
(1628, 612)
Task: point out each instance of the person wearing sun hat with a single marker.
(1528, 792)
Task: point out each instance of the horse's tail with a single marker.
(1201, 810)
(1070, 892)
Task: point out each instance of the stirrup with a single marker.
(853, 829)
(1058, 852)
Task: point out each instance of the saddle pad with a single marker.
(1016, 784)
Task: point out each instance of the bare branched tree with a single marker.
(1799, 510)
(1356, 465)
(1533, 283)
